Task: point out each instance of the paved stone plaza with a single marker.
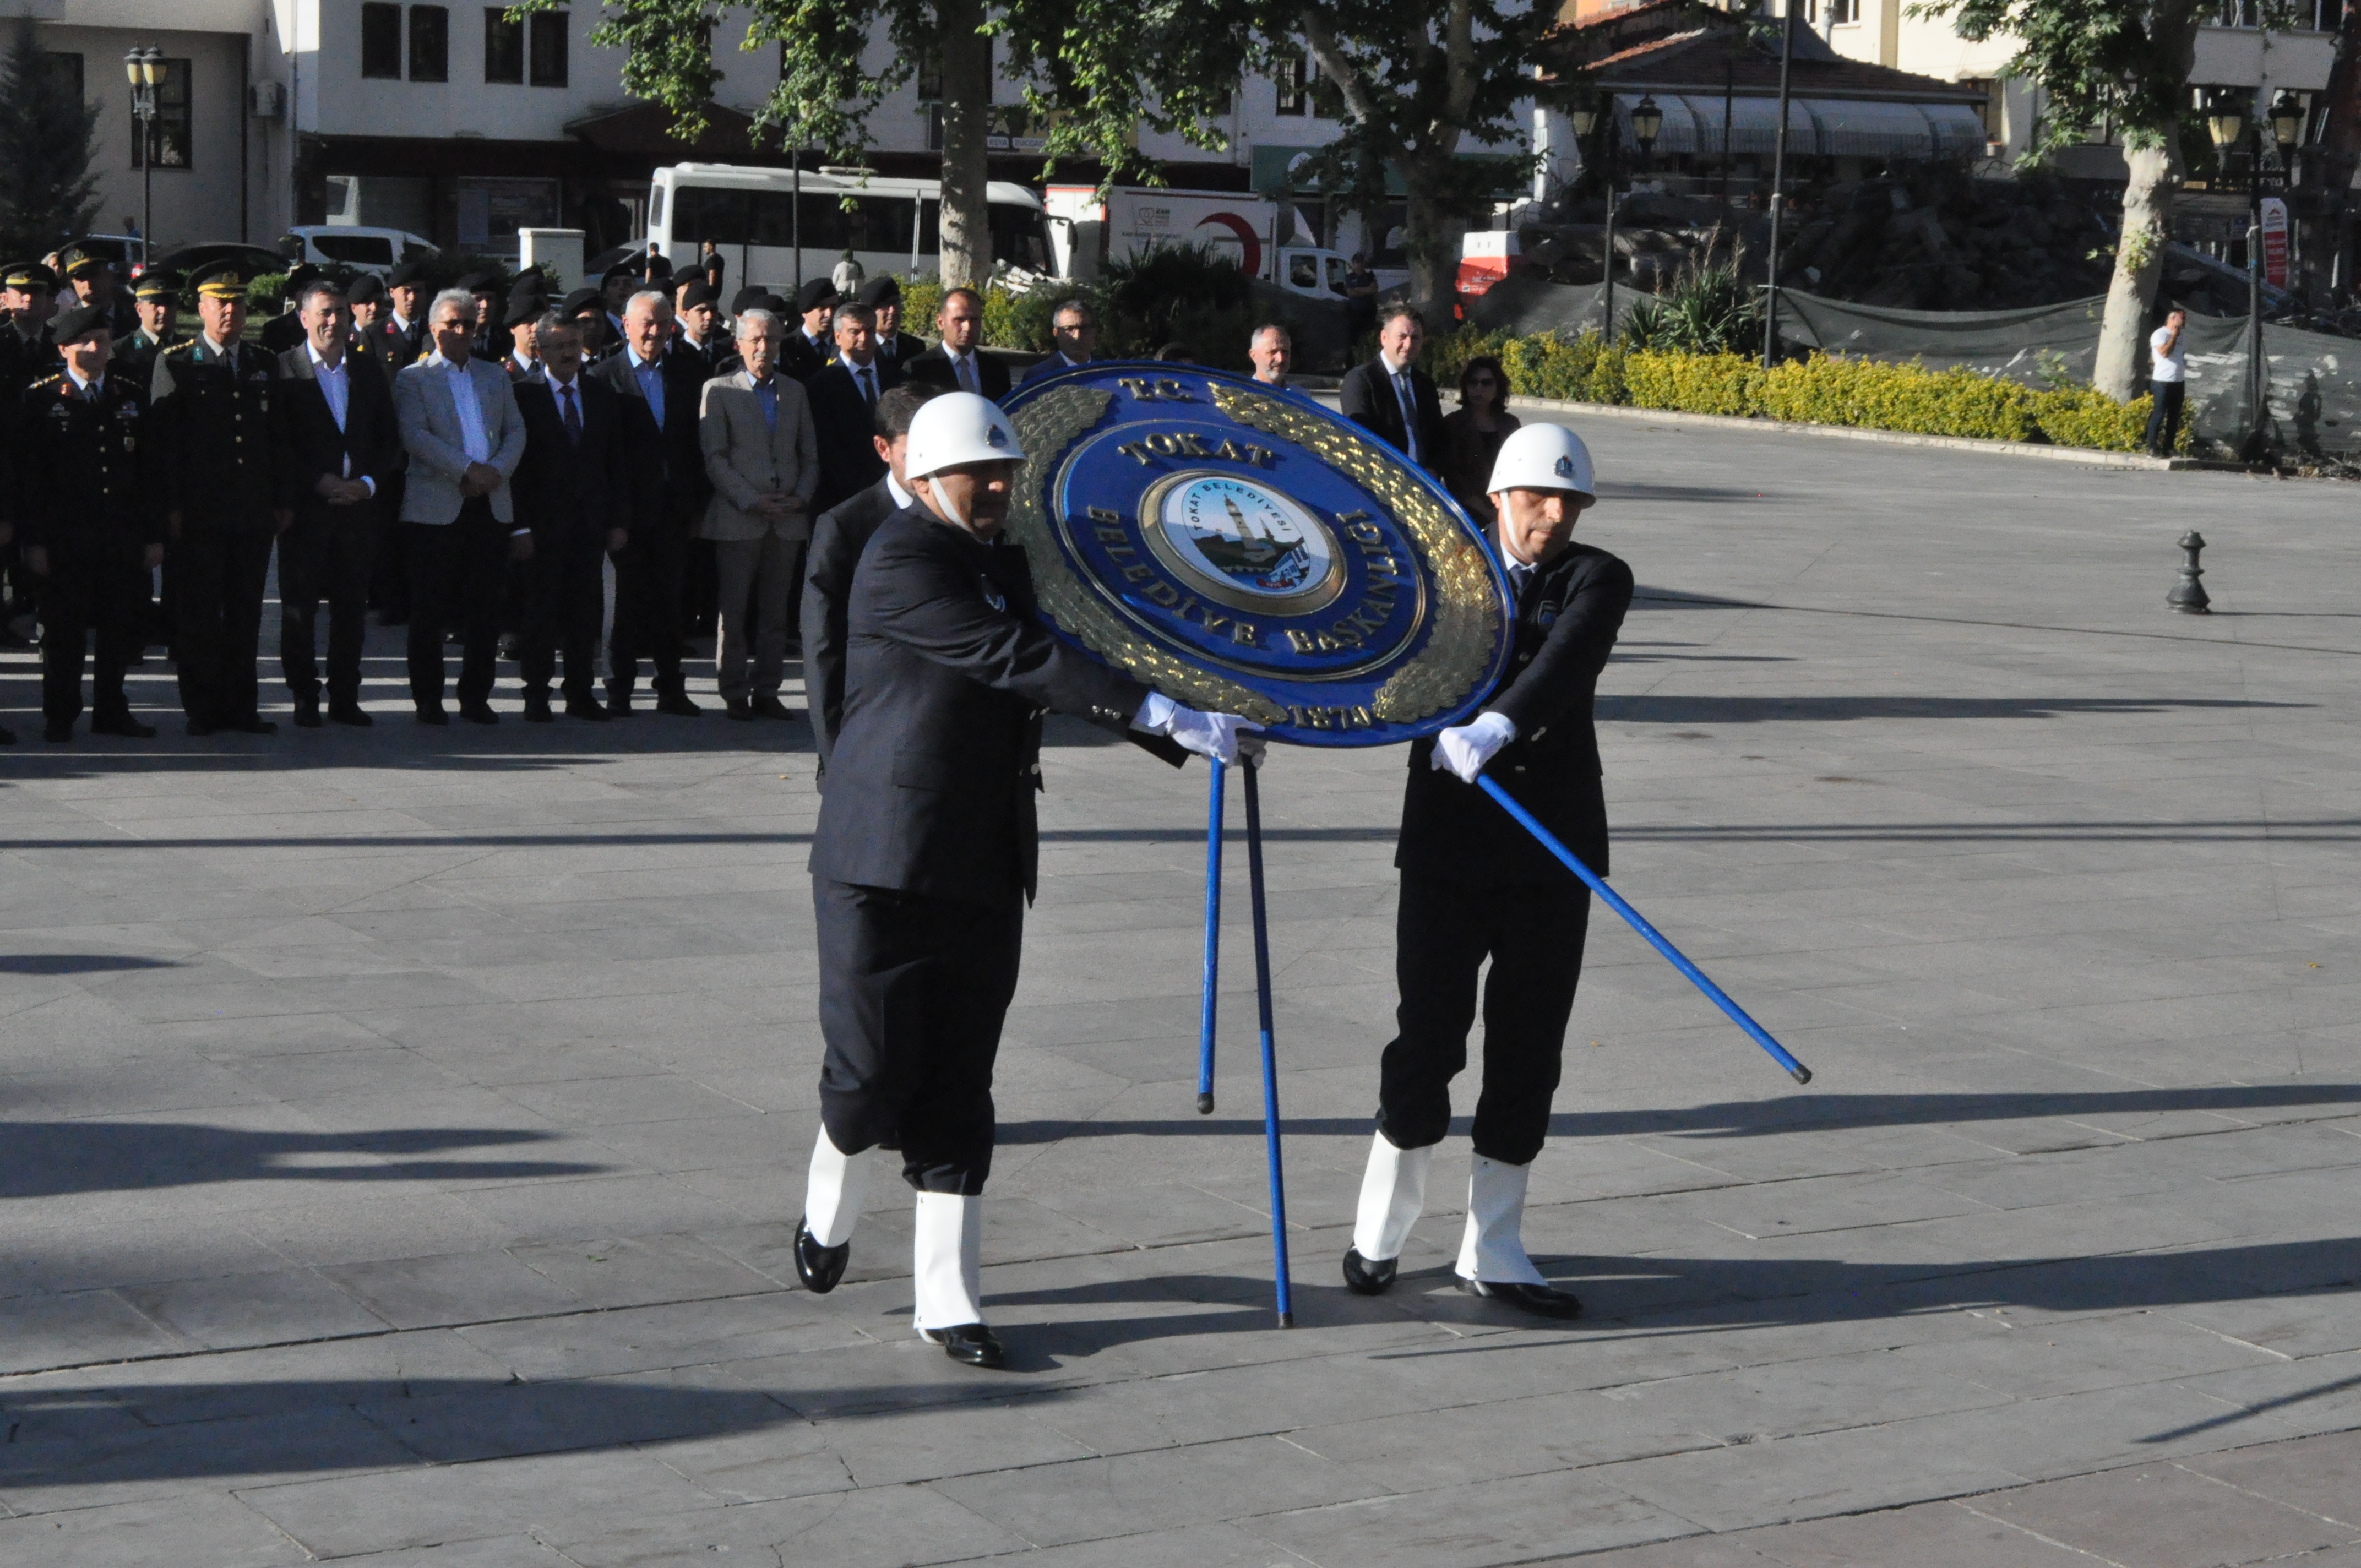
(404, 1132)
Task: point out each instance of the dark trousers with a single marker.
(390, 570)
(564, 597)
(1442, 933)
(648, 578)
(2164, 419)
(218, 572)
(912, 994)
(107, 592)
(325, 554)
(457, 572)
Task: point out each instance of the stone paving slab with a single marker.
(400, 1133)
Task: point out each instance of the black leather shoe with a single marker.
(819, 1268)
(7, 736)
(536, 708)
(742, 710)
(618, 703)
(479, 713)
(434, 713)
(307, 713)
(350, 713)
(123, 725)
(768, 706)
(1542, 1300)
(253, 727)
(197, 728)
(57, 732)
(586, 707)
(971, 1344)
(678, 705)
(1362, 1278)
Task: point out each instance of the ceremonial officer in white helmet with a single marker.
(924, 858)
(1474, 885)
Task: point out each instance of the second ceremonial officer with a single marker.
(1474, 885)
(924, 856)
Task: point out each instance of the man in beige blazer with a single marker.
(763, 456)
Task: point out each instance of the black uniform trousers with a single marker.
(564, 599)
(105, 590)
(458, 571)
(649, 570)
(325, 554)
(912, 994)
(219, 568)
(1443, 932)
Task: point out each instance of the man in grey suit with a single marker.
(460, 425)
(764, 458)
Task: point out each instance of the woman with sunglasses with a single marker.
(1473, 434)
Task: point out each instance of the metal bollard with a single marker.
(2187, 596)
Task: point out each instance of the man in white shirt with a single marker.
(2168, 379)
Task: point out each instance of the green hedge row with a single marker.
(1824, 390)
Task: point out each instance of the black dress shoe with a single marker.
(307, 713)
(432, 713)
(971, 1344)
(479, 713)
(1362, 1278)
(1542, 1300)
(587, 708)
(678, 705)
(123, 724)
(819, 1268)
(198, 728)
(253, 727)
(58, 731)
(350, 713)
(742, 710)
(618, 703)
(7, 736)
(768, 706)
(536, 708)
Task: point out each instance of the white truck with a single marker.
(1256, 232)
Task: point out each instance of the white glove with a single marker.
(1218, 735)
(1466, 749)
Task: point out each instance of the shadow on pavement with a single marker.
(77, 963)
(47, 1160)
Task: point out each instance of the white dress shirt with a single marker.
(902, 497)
(337, 388)
(965, 371)
(472, 436)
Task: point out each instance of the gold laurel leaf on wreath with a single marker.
(1467, 622)
(1046, 427)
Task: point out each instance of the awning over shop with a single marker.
(1850, 128)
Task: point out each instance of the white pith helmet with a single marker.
(957, 427)
(1537, 457)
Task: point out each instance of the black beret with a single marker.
(489, 281)
(302, 272)
(406, 273)
(366, 289)
(882, 289)
(79, 322)
(581, 300)
(524, 306)
(697, 293)
(749, 298)
(620, 269)
(814, 294)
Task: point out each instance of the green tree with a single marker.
(47, 194)
(1094, 71)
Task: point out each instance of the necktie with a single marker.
(1409, 416)
(868, 387)
(967, 375)
(572, 417)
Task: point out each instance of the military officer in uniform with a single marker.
(93, 280)
(157, 302)
(88, 524)
(896, 348)
(1477, 886)
(211, 403)
(923, 855)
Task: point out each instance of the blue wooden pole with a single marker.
(1597, 884)
(1213, 940)
(1269, 1054)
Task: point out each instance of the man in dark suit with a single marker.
(844, 408)
(808, 346)
(1390, 397)
(577, 490)
(883, 295)
(923, 855)
(957, 363)
(337, 446)
(838, 539)
(660, 393)
(398, 338)
(1074, 340)
(88, 524)
(1477, 886)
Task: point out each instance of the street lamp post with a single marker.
(1778, 189)
(2224, 124)
(1583, 117)
(1646, 121)
(144, 67)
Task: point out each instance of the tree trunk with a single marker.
(1432, 243)
(2139, 261)
(966, 256)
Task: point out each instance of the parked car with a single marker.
(344, 245)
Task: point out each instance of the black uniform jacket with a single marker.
(309, 445)
(568, 488)
(934, 368)
(1566, 621)
(948, 675)
(899, 350)
(213, 415)
(86, 470)
(802, 358)
(135, 357)
(845, 423)
(1367, 398)
(399, 348)
(838, 537)
(673, 453)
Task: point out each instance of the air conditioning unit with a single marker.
(269, 100)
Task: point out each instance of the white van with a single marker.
(363, 250)
(892, 226)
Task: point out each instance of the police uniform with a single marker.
(86, 502)
(211, 409)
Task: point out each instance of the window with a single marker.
(503, 46)
(172, 126)
(1295, 76)
(430, 43)
(67, 69)
(381, 41)
(930, 77)
(1844, 11)
(548, 30)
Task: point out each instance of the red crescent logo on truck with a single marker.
(1252, 261)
